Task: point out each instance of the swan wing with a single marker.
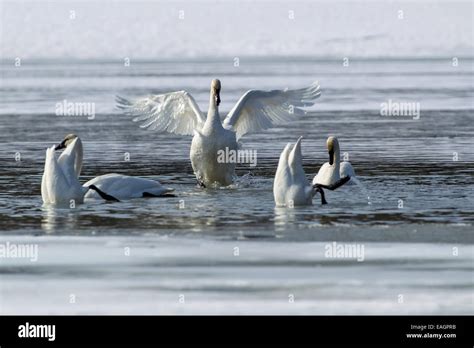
(295, 160)
(258, 110)
(175, 112)
(282, 179)
(301, 192)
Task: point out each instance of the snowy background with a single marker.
(207, 28)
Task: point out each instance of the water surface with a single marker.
(412, 210)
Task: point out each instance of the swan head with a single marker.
(216, 90)
(68, 139)
(333, 147)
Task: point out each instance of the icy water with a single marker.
(230, 250)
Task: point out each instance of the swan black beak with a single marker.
(331, 157)
(218, 98)
(60, 146)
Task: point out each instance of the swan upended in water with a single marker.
(109, 186)
(291, 187)
(331, 172)
(178, 113)
(60, 185)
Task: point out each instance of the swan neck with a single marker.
(337, 160)
(337, 157)
(213, 119)
(79, 157)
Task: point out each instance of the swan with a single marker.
(117, 185)
(59, 184)
(291, 187)
(126, 187)
(178, 113)
(331, 172)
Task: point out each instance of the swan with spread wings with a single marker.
(178, 113)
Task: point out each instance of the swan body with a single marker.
(125, 187)
(291, 187)
(204, 147)
(178, 113)
(331, 172)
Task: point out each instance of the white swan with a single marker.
(60, 185)
(126, 187)
(331, 172)
(116, 185)
(291, 187)
(178, 113)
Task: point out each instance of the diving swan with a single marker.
(113, 186)
(60, 185)
(291, 187)
(178, 113)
